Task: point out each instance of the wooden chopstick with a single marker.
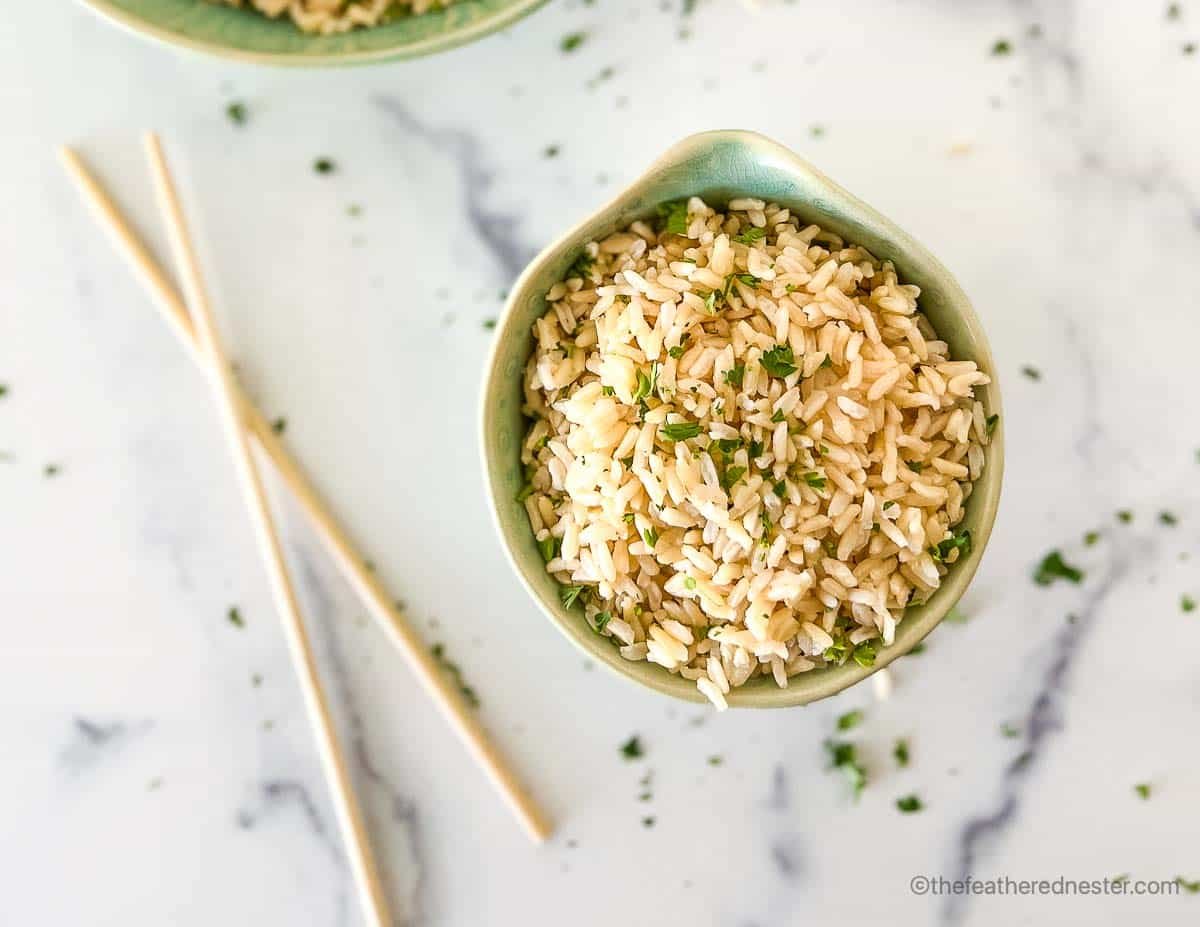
(349, 815)
(366, 585)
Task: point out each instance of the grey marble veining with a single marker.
(158, 768)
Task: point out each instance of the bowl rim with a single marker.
(137, 25)
(986, 495)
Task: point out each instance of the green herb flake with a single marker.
(909, 804)
(354, 210)
(918, 649)
(1031, 373)
(1189, 48)
(4, 392)
(571, 42)
(1143, 790)
(1191, 886)
(234, 616)
(843, 757)
(680, 431)
(581, 267)
(777, 416)
(715, 760)
(600, 621)
(454, 671)
(489, 324)
(780, 489)
(849, 720)
(677, 352)
(1053, 567)
(1168, 518)
(256, 680)
(730, 477)
(779, 361)
(648, 821)
(864, 654)
(650, 536)
(816, 131)
(956, 615)
(689, 582)
(632, 748)
(900, 752)
(608, 391)
(826, 362)
(1090, 539)
(1001, 47)
(756, 449)
(1125, 516)
(324, 166)
(1009, 730)
(51, 470)
(674, 217)
(1187, 603)
(1173, 11)
(236, 112)
(960, 541)
(750, 235)
(549, 547)
(550, 151)
(735, 375)
(990, 423)
(569, 595)
(279, 426)
(814, 479)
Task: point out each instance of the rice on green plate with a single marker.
(749, 449)
(327, 17)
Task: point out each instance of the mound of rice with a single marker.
(749, 450)
(327, 17)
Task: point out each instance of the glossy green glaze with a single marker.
(245, 35)
(719, 166)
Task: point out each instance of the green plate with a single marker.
(719, 166)
(245, 35)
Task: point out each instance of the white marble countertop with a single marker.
(147, 780)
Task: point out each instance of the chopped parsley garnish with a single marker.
(680, 431)
(570, 594)
(572, 41)
(734, 375)
(900, 752)
(914, 465)
(323, 166)
(814, 479)
(1168, 518)
(1001, 47)
(1031, 372)
(779, 361)
(731, 476)
(850, 719)
(1143, 790)
(608, 391)
(236, 111)
(1009, 730)
(650, 536)
(1124, 516)
(235, 617)
(279, 426)
(1187, 604)
(749, 236)
(677, 352)
(549, 548)
(990, 424)
(909, 804)
(843, 757)
(645, 383)
(689, 582)
(864, 654)
(777, 416)
(674, 217)
(780, 489)
(826, 362)
(756, 449)
(728, 445)
(960, 542)
(1091, 538)
(600, 621)
(581, 266)
(632, 748)
(1054, 567)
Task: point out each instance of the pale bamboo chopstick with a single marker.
(349, 815)
(369, 589)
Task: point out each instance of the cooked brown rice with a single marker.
(749, 448)
(331, 16)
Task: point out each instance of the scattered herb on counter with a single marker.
(354, 210)
(1173, 11)
(268, 725)
(489, 324)
(715, 760)
(256, 680)
(236, 112)
(323, 165)
(680, 431)
(1124, 516)
(550, 151)
(1189, 48)
(843, 757)
(909, 804)
(51, 470)
(816, 131)
(648, 821)
(1031, 372)
(4, 392)
(235, 617)
(605, 74)
(1091, 538)
(632, 749)
(572, 41)
(779, 361)
(279, 426)
(1168, 518)
(645, 796)
(900, 752)
(749, 236)
(919, 648)
(1009, 730)
(849, 720)
(1191, 886)
(1054, 567)
(1143, 790)
(1002, 47)
(1034, 31)
(455, 672)
(154, 784)
(1187, 604)
(1119, 879)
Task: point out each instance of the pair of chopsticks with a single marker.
(193, 323)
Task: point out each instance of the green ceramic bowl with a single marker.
(245, 35)
(719, 166)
